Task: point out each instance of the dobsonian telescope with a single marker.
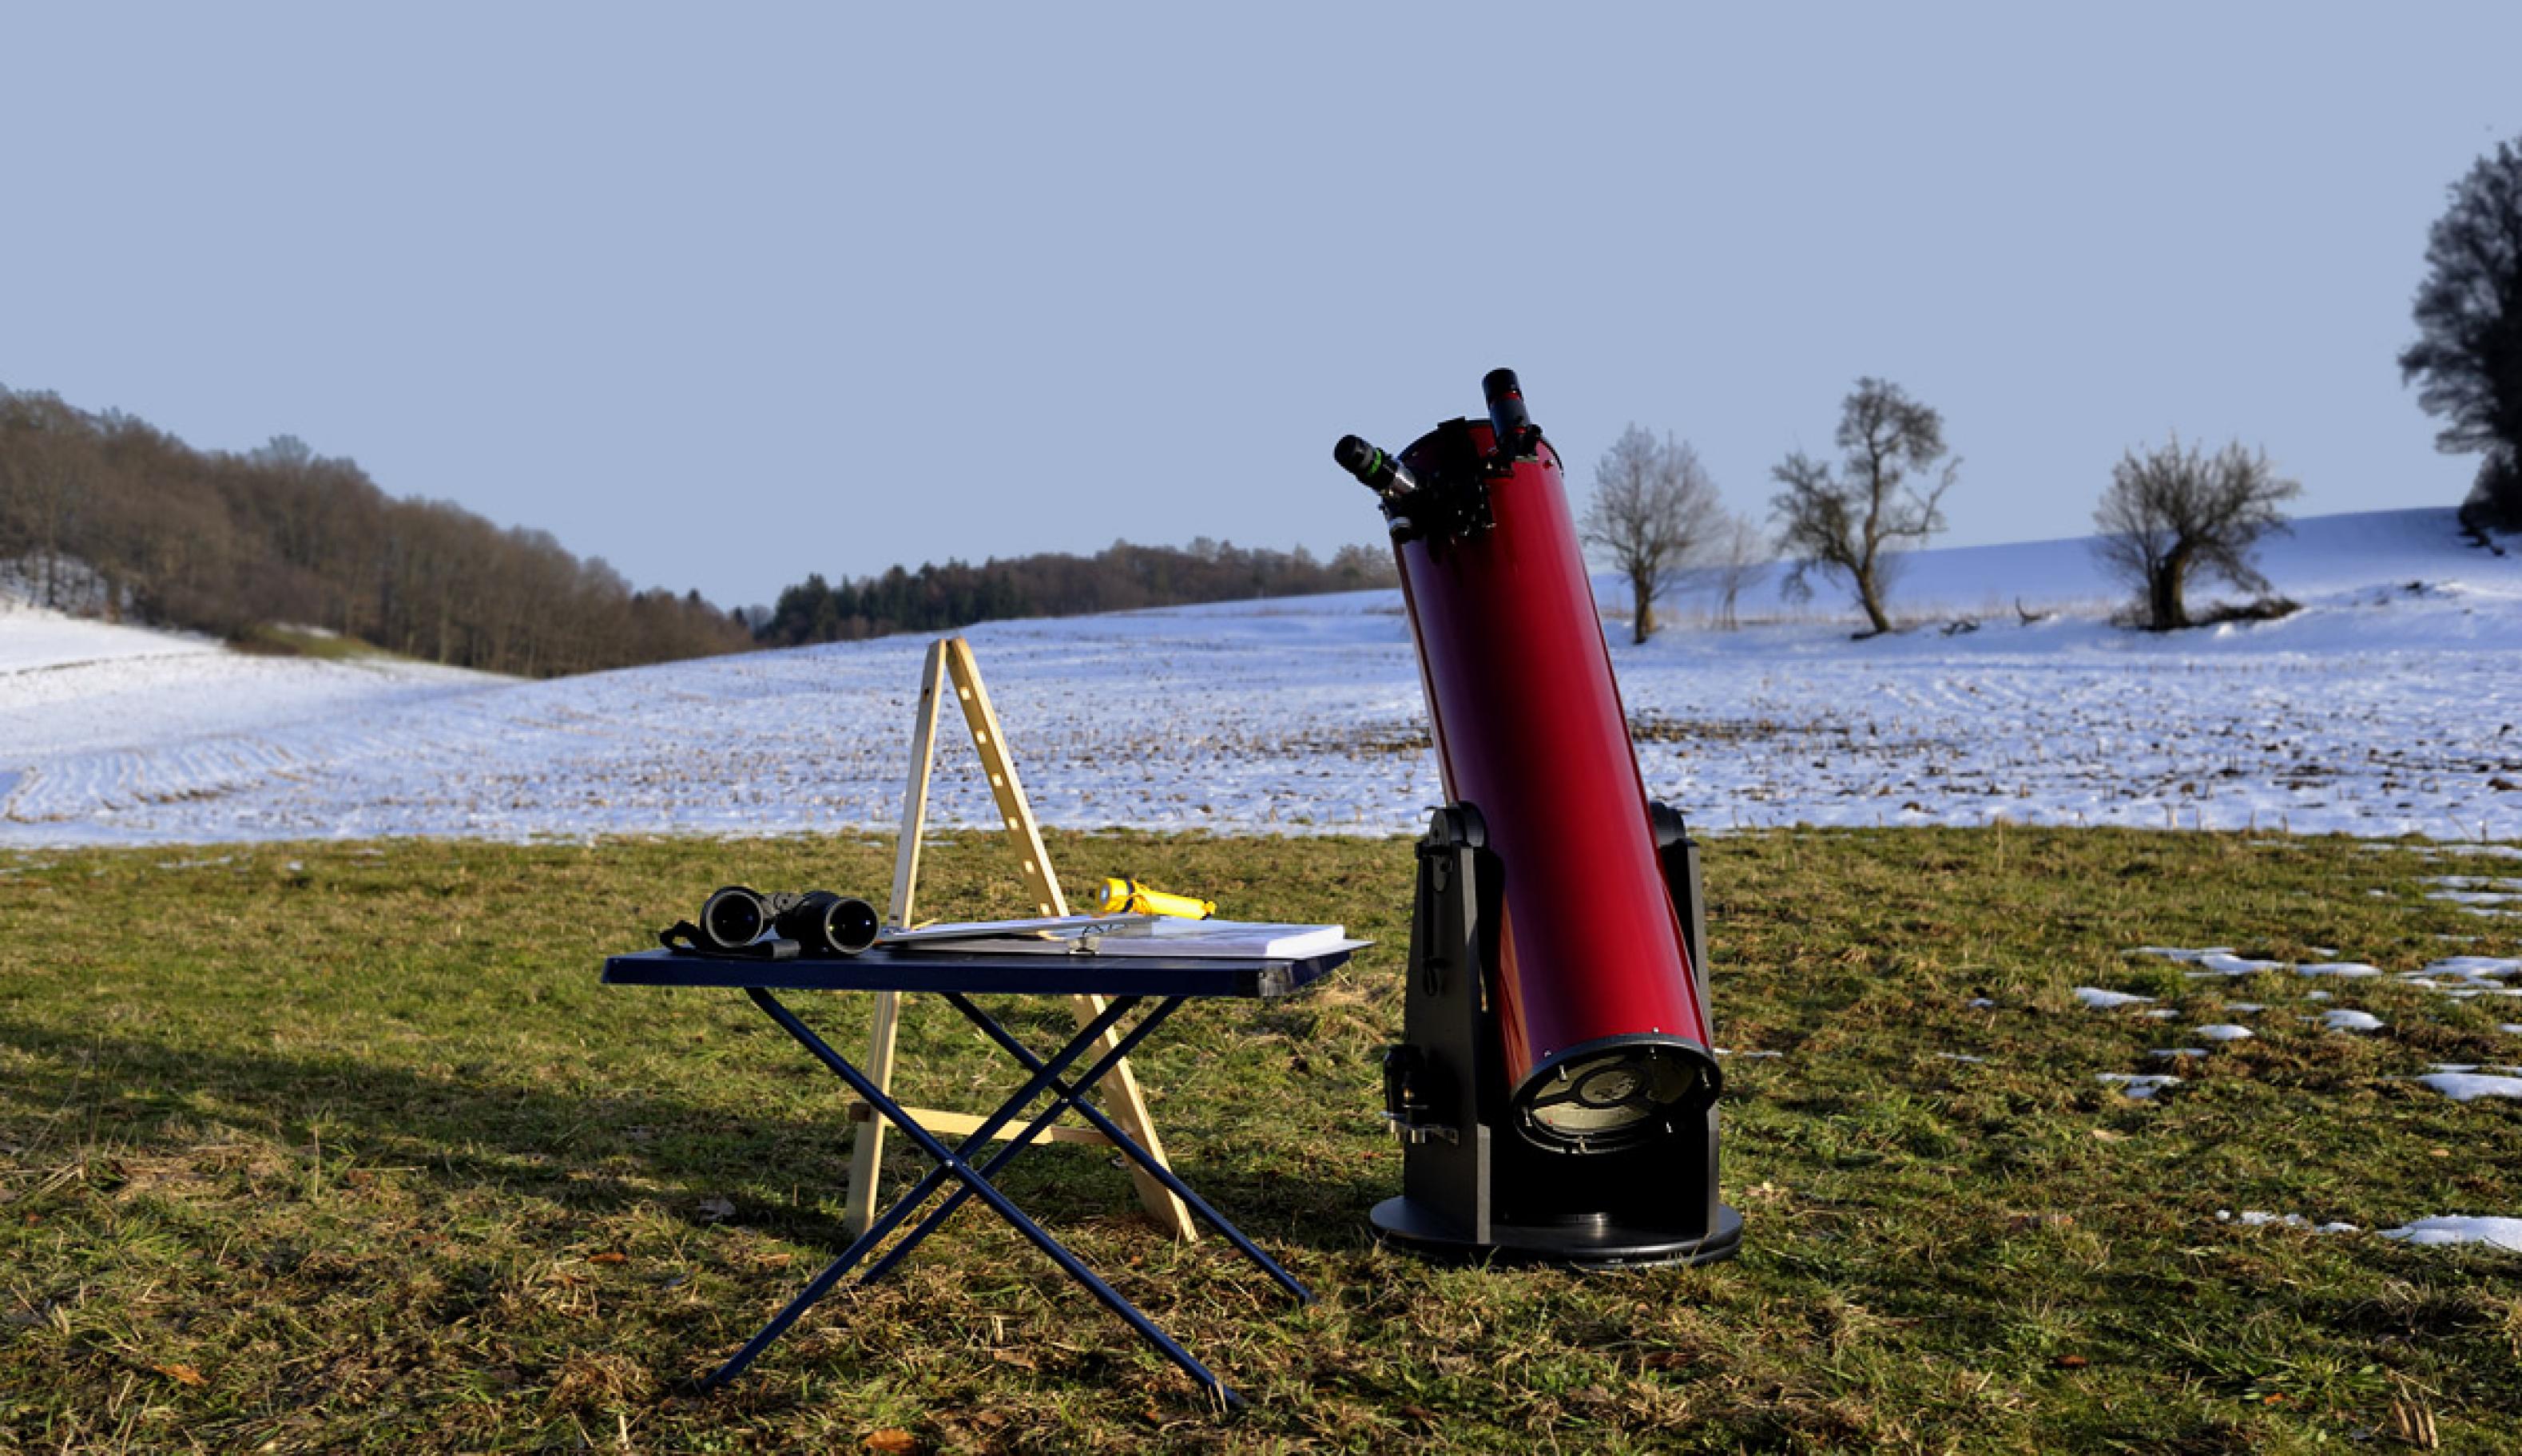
(1556, 1089)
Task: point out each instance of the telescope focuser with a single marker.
(1438, 490)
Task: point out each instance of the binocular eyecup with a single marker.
(821, 922)
(734, 917)
(836, 922)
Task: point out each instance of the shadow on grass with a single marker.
(608, 1151)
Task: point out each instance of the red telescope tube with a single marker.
(1602, 1033)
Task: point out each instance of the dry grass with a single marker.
(342, 1147)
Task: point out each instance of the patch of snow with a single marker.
(1979, 1003)
(1959, 1057)
(35, 640)
(2218, 960)
(2472, 897)
(2316, 995)
(2245, 1008)
(2168, 1054)
(2475, 967)
(2348, 969)
(2343, 1019)
(2465, 1085)
(2255, 1219)
(2453, 1228)
(2513, 1028)
(2222, 1032)
(2139, 1086)
(2099, 999)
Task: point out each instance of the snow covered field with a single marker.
(2386, 707)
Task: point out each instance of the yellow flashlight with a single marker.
(1130, 898)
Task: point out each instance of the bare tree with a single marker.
(1853, 521)
(2173, 512)
(1654, 510)
(1738, 561)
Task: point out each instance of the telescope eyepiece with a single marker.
(1375, 470)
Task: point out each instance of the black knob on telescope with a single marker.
(1374, 468)
(1507, 414)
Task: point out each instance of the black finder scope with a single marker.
(1512, 422)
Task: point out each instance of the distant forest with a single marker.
(1120, 578)
(105, 513)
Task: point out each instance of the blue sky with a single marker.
(729, 294)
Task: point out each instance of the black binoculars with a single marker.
(818, 921)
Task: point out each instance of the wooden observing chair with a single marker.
(951, 659)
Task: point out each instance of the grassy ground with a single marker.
(344, 1147)
(266, 640)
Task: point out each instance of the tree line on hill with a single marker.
(1120, 578)
(2171, 515)
(106, 513)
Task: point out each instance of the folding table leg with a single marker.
(1023, 1138)
(821, 1284)
(999, 1203)
(1073, 1095)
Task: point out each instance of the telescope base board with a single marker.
(1415, 1228)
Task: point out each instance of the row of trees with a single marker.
(1655, 511)
(105, 511)
(2173, 514)
(1120, 578)
(2170, 515)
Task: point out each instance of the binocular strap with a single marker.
(684, 938)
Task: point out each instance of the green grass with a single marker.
(343, 1147)
(266, 640)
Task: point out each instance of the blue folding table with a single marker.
(957, 974)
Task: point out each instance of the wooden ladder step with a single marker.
(965, 1124)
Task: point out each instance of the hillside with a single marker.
(104, 515)
(2323, 554)
(2379, 709)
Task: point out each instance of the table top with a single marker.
(885, 968)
